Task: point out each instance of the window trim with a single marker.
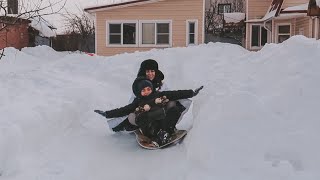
(196, 42)
(155, 21)
(121, 22)
(250, 40)
(277, 30)
(223, 4)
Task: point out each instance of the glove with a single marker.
(196, 91)
(162, 100)
(102, 113)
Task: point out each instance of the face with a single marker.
(146, 91)
(150, 74)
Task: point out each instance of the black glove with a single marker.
(196, 91)
(102, 113)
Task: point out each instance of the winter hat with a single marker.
(151, 64)
(148, 64)
(139, 84)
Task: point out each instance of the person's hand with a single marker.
(146, 107)
(196, 91)
(102, 113)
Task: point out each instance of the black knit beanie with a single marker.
(139, 84)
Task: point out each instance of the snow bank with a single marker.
(256, 118)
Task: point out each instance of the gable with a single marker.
(314, 8)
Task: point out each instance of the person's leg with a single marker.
(172, 117)
(171, 104)
(132, 119)
(148, 125)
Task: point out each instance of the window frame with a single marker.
(260, 35)
(155, 22)
(279, 34)
(195, 21)
(136, 22)
(224, 5)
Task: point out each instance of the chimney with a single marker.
(12, 6)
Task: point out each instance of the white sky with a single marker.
(257, 117)
(75, 7)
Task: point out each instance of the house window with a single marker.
(259, 36)
(12, 6)
(224, 8)
(284, 32)
(122, 33)
(155, 33)
(192, 33)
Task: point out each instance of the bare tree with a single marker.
(26, 9)
(82, 27)
(214, 20)
(215, 23)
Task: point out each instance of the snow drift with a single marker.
(256, 118)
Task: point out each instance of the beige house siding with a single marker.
(318, 28)
(257, 8)
(172, 10)
(303, 27)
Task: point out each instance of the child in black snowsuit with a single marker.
(155, 115)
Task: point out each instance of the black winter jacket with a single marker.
(171, 95)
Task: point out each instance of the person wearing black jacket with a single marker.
(150, 69)
(153, 113)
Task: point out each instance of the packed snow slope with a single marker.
(257, 117)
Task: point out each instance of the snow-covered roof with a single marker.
(272, 11)
(42, 26)
(234, 17)
(291, 15)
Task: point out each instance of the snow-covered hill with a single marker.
(256, 119)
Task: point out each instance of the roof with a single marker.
(118, 5)
(314, 8)
(302, 8)
(235, 17)
(273, 11)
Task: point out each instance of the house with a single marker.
(13, 32)
(18, 30)
(141, 25)
(274, 21)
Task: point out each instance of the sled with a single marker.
(146, 143)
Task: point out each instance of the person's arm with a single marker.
(180, 94)
(176, 95)
(118, 112)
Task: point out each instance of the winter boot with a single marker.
(162, 138)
